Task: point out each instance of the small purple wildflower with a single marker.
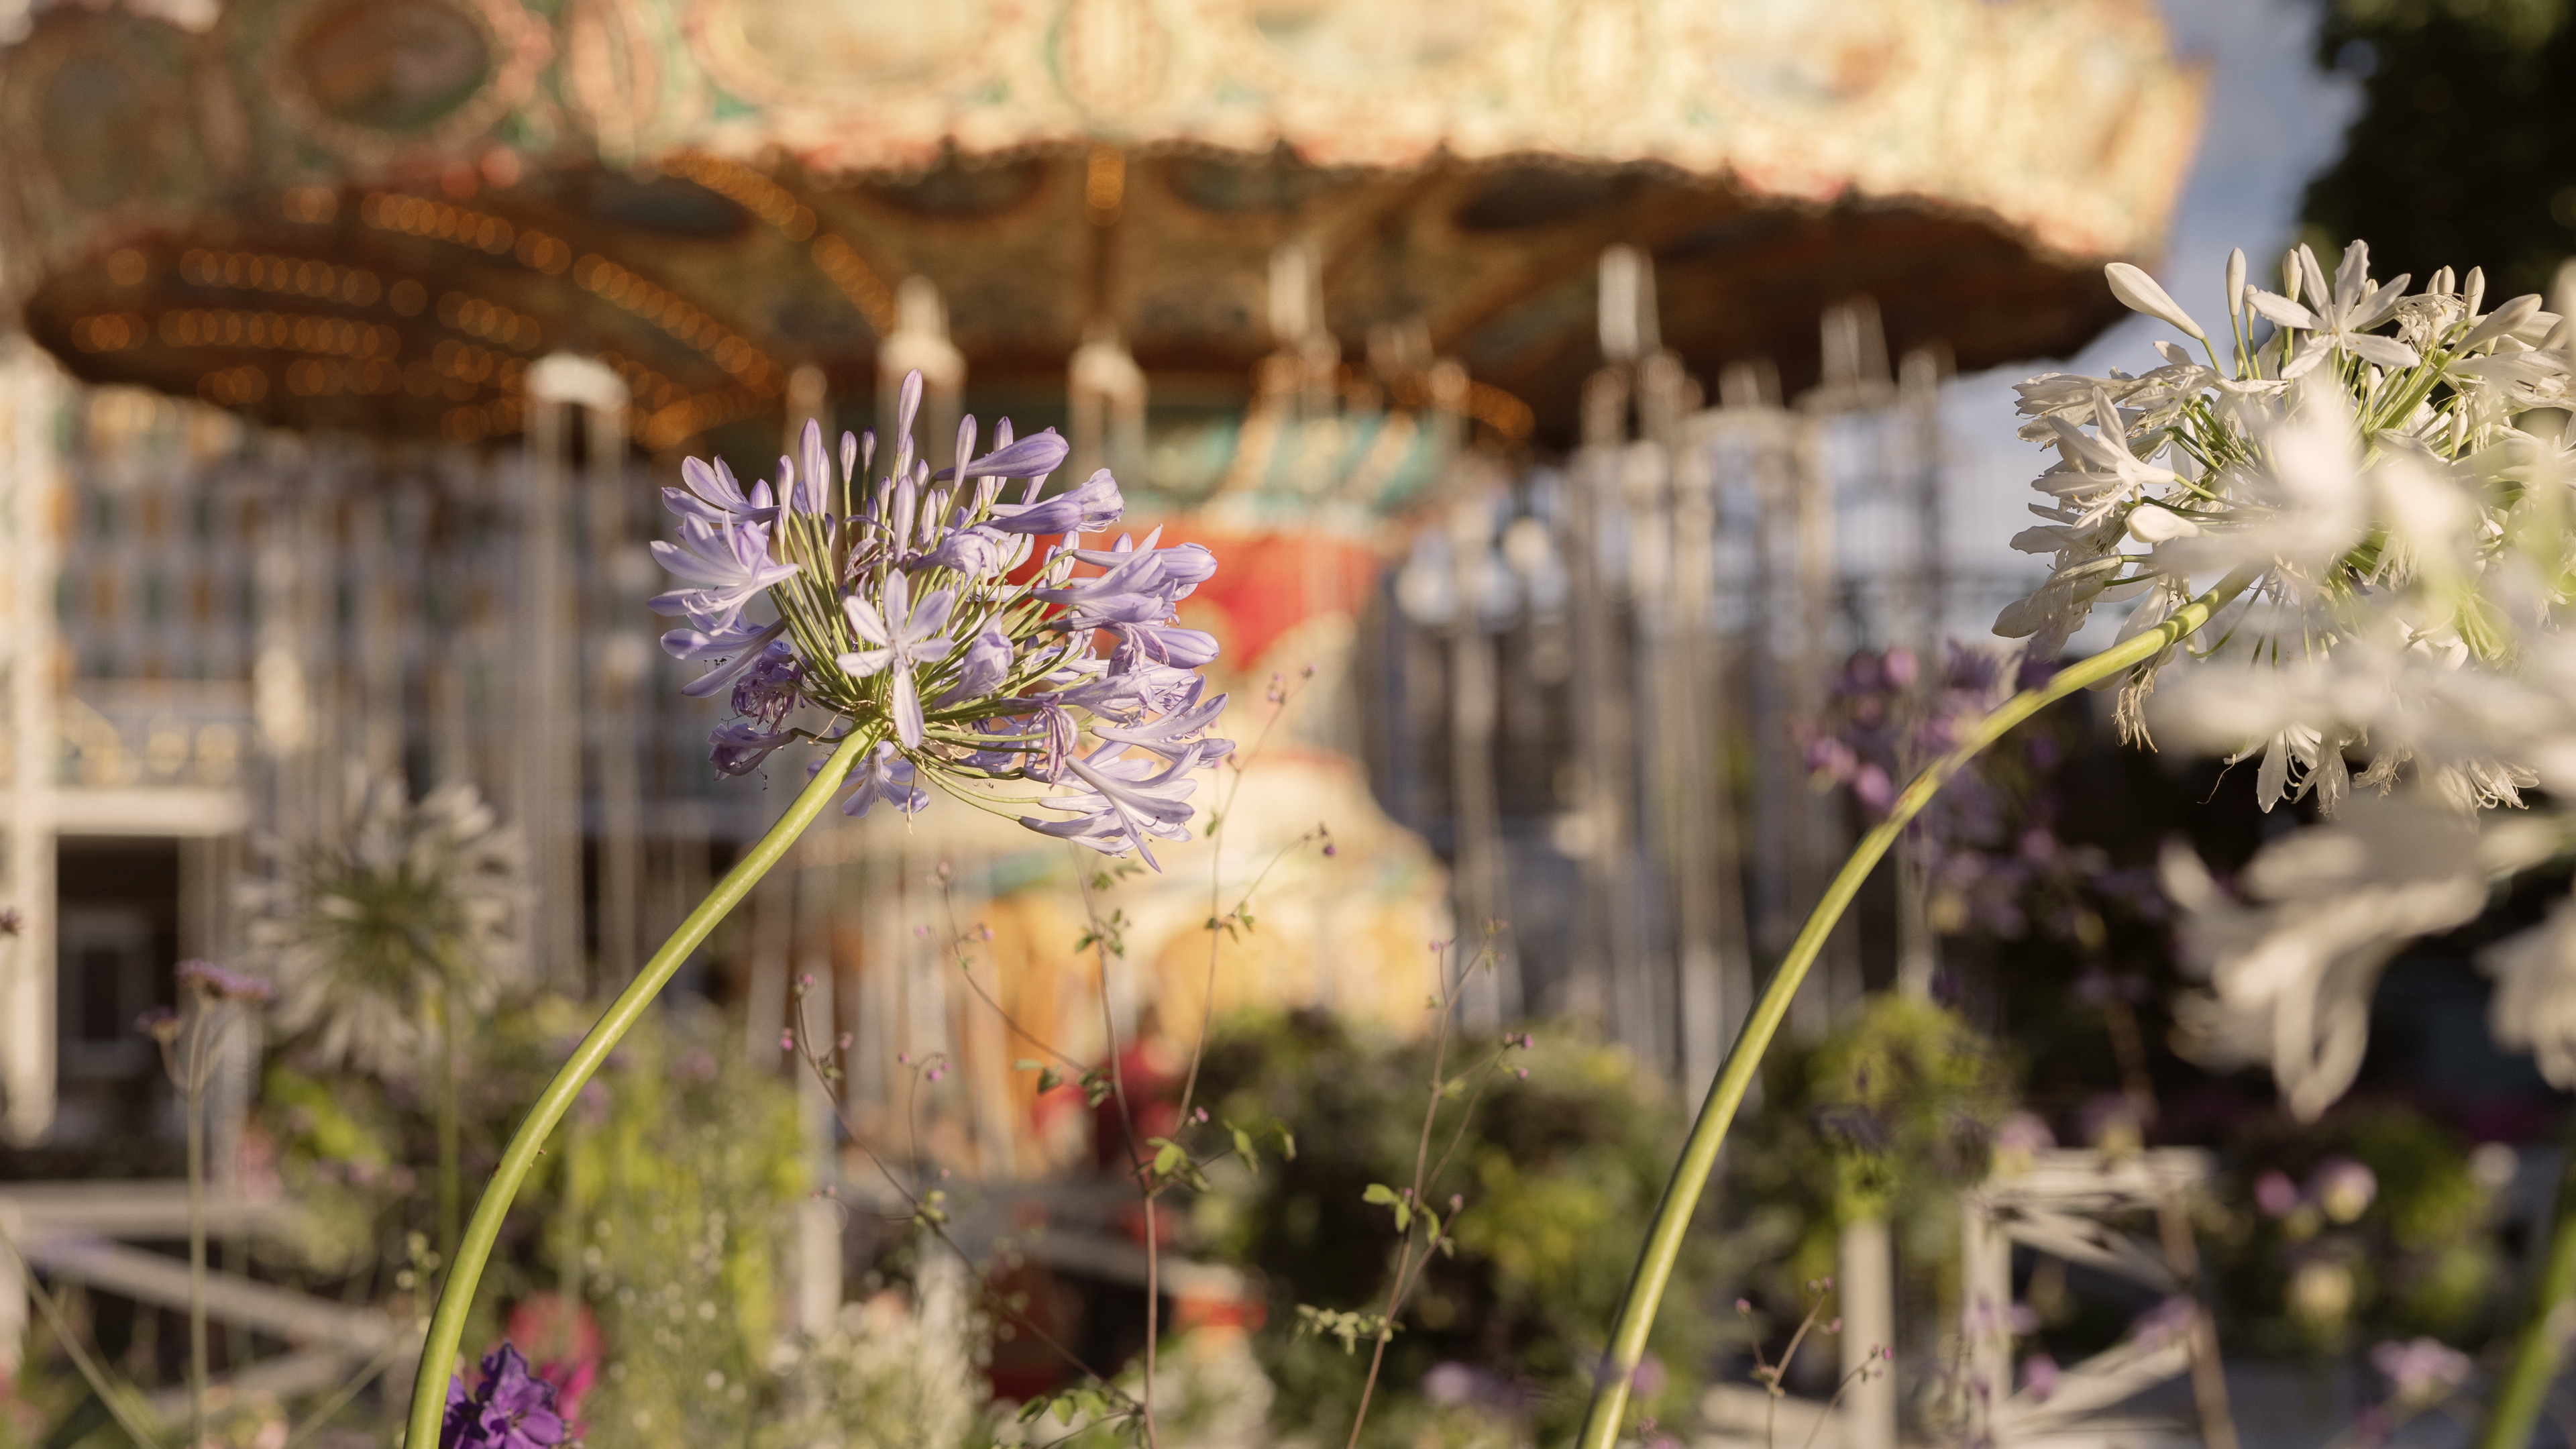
(2422, 1370)
(2039, 1377)
(2275, 1194)
(223, 984)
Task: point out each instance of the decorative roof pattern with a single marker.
(373, 213)
(2068, 120)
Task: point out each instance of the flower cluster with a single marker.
(1992, 859)
(219, 983)
(514, 1409)
(405, 915)
(2393, 472)
(2421, 1370)
(2361, 455)
(918, 614)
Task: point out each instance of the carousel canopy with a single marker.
(374, 214)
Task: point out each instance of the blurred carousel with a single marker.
(360, 333)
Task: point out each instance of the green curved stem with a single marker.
(1699, 1155)
(474, 1251)
(2524, 1389)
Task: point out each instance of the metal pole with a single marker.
(622, 654)
(548, 787)
(30, 394)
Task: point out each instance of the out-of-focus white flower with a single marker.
(2393, 479)
(405, 914)
(2291, 968)
(2534, 1008)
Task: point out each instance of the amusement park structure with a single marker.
(1555, 379)
(444, 283)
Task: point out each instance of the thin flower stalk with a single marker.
(1671, 1221)
(904, 617)
(483, 1229)
(2368, 495)
(2540, 1347)
(1415, 1208)
(929, 1208)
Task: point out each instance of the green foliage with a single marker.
(889, 1375)
(677, 1181)
(2419, 1257)
(663, 1201)
(1886, 1119)
(2465, 151)
(346, 1145)
(1557, 1173)
(1904, 1099)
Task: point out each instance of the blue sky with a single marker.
(2274, 121)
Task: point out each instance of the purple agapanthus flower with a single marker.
(714, 496)
(734, 647)
(988, 662)
(1119, 801)
(886, 775)
(1034, 456)
(906, 636)
(767, 691)
(978, 553)
(1175, 733)
(901, 613)
(222, 983)
(728, 564)
(1093, 506)
(740, 746)
(513, 1409)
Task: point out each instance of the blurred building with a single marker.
(360, 333)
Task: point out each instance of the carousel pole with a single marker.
(30, 397)
(1604, 735)
(1918, 390)
(620, 653)
(546, 789)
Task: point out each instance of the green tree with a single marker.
(2465, 149)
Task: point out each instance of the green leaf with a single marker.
(1028, 1064)
(1380, 1195)
(1243, 1148)
(1168, 1156)
(1287, 1143)
(1049, 1079)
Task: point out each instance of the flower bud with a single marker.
(2140, 293)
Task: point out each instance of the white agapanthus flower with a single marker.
(2391, 475)
(2291, 967)
(372, 933)
(2358, 459)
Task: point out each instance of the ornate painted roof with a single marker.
(373, 213)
